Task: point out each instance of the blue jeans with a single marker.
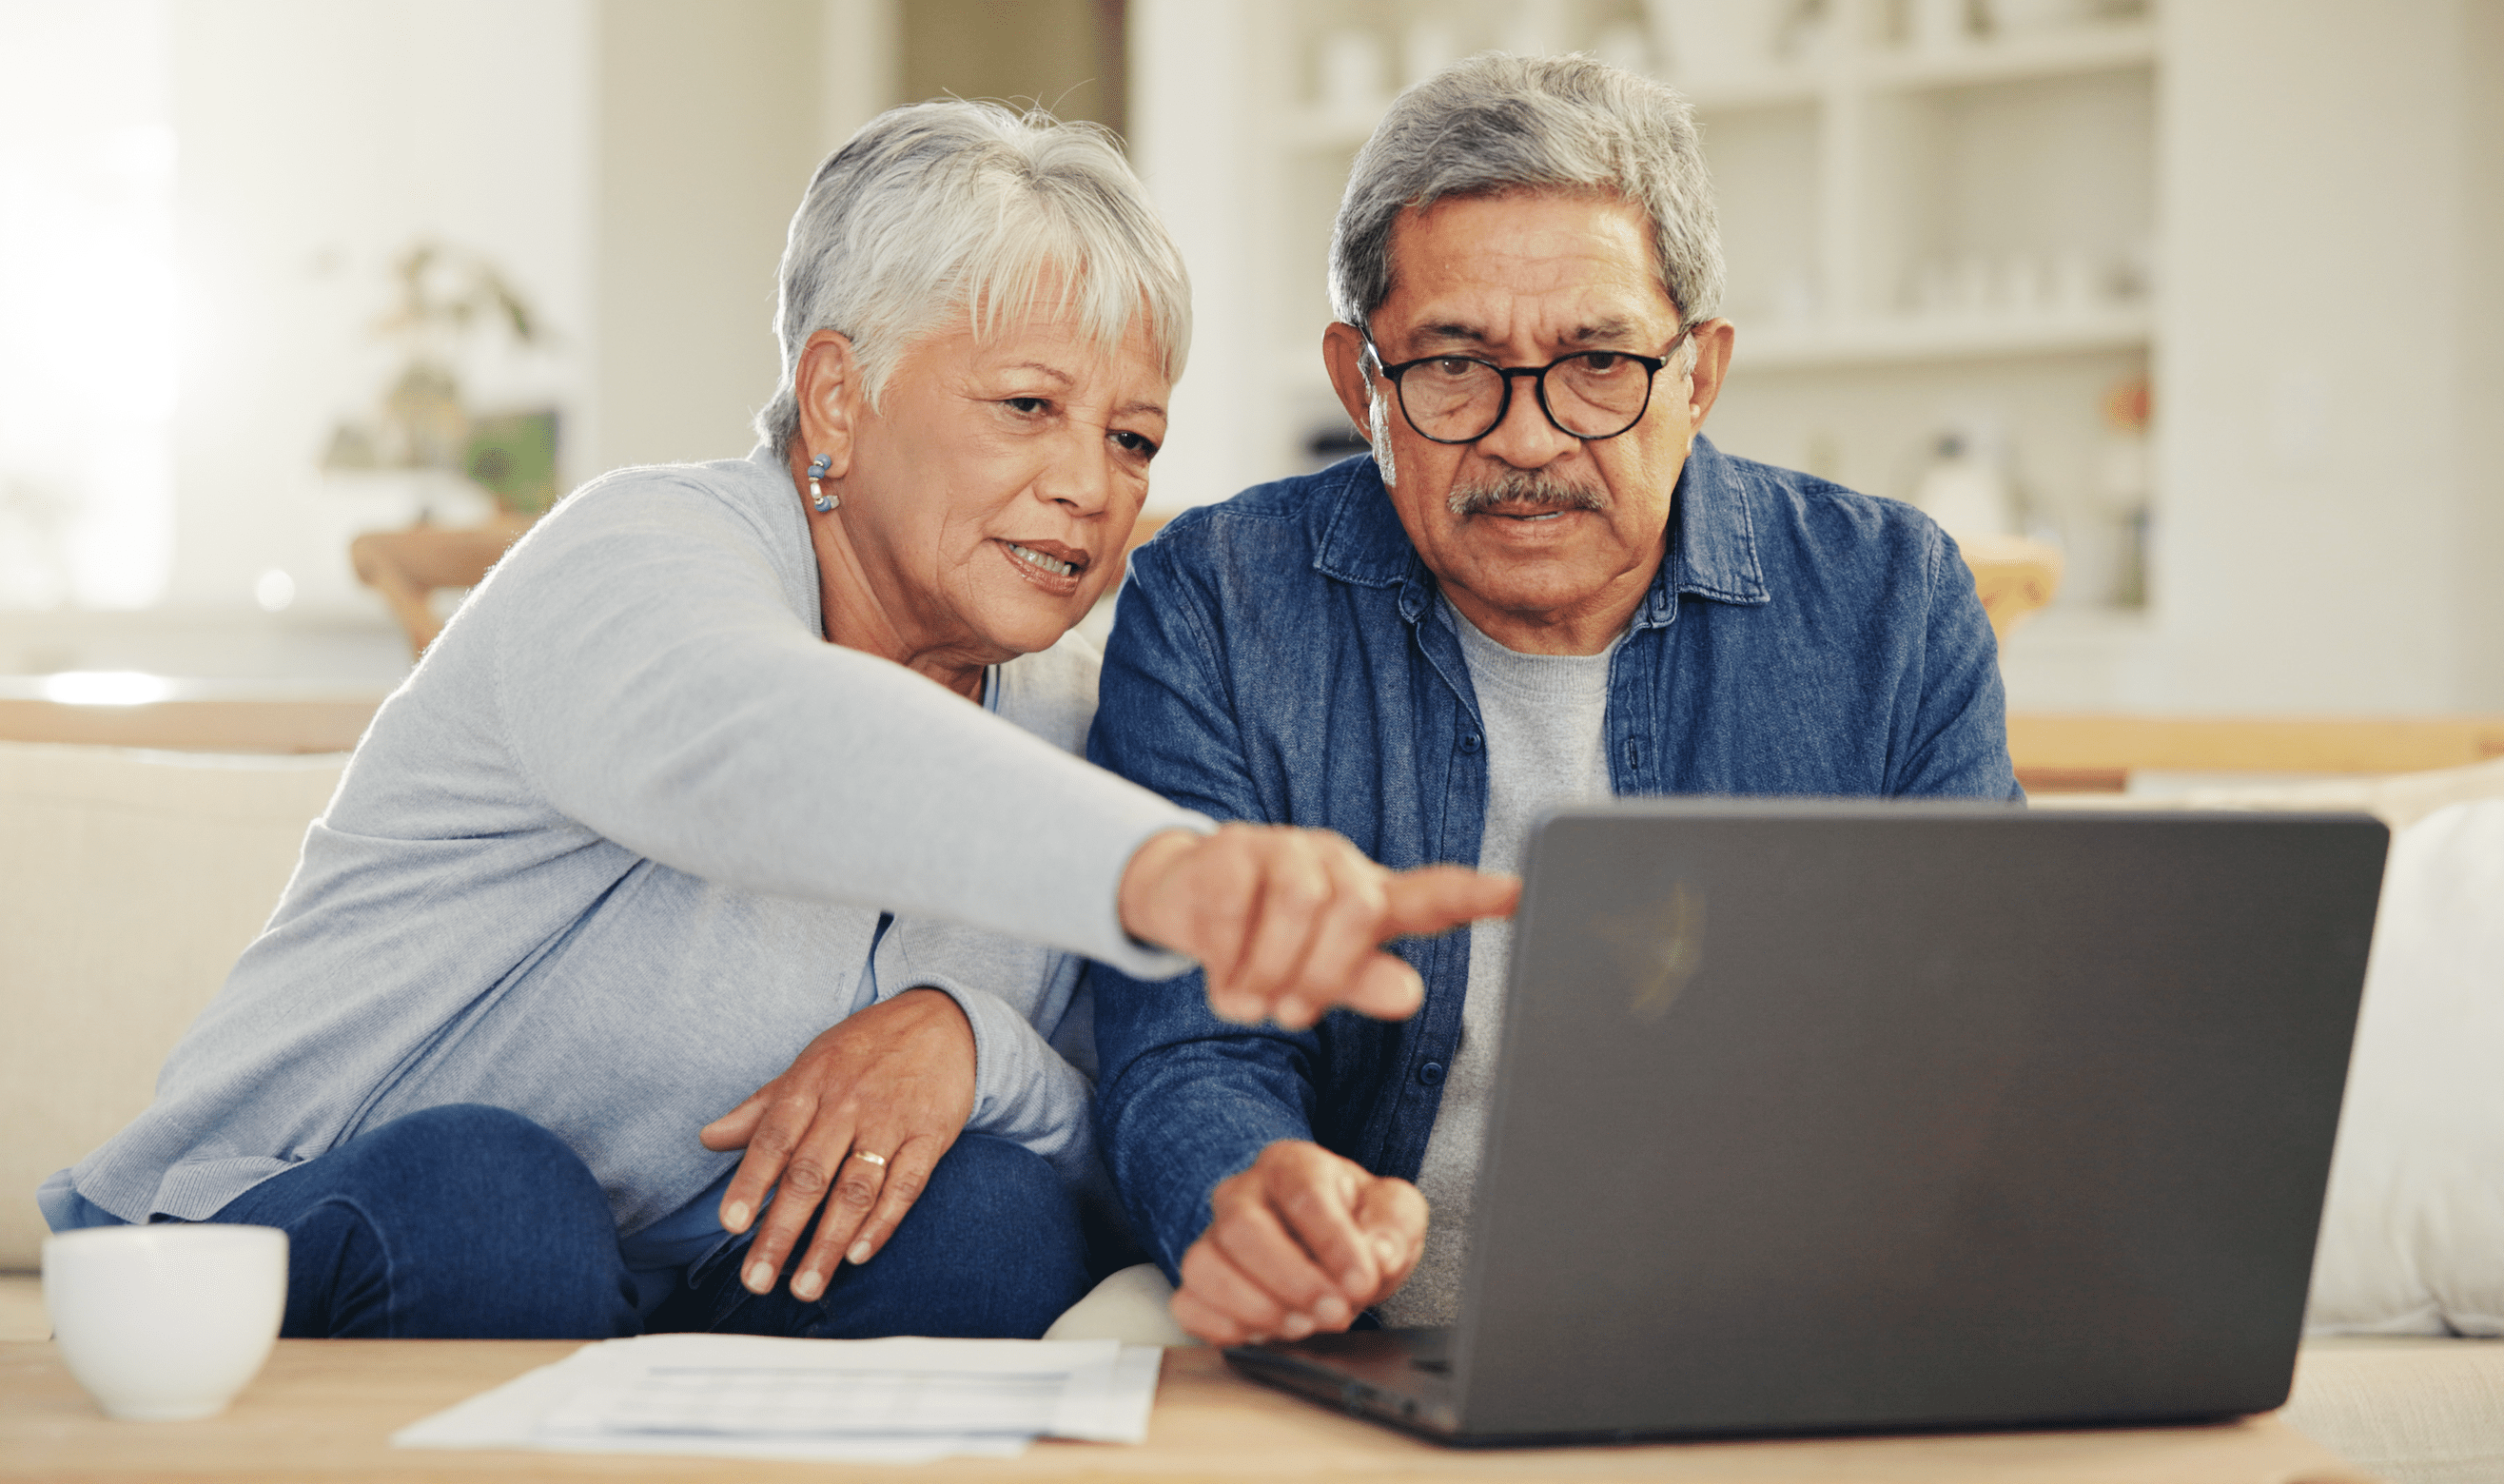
(473, 1223)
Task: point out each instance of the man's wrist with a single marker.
(1147, 865)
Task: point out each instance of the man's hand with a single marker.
(1290, 922)
(1302, 1242)
(894, 1080)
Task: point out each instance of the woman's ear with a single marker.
(828, 385)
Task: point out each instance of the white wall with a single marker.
(2331, 507)
(2328, 511)
(1190, 110)
(860, 67)
(711, 117)
(317, 140)
(2479, 465)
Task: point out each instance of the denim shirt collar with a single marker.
(1712, 547)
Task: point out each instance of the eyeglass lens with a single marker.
(1595, 395)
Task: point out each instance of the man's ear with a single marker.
(828, 385)
(1712, 342)
(1344, 356)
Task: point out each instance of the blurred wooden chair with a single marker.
(2014, 577)
(407, 566)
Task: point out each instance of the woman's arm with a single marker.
(653, 681)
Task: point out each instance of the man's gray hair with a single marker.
(943, 208)
(1493, 123)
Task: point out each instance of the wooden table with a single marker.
(323, 1409)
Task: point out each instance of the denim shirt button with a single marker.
(1432, 1072)
(1469, 742)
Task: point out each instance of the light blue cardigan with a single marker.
(616, 852)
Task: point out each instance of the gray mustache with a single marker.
(1538, 490)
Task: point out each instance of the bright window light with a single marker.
(106, 687)
(273, 590)
(86, 305)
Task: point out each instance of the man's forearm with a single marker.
(1176, 1122)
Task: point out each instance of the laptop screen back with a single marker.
(1835, 1116)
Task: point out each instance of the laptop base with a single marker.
(1402, 1378)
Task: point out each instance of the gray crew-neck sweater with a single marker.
(1543, 715)
(617, 850)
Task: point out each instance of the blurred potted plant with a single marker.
(444, 297)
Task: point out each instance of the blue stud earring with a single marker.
(818, 497)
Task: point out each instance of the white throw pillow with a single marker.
(2413, 1232)
(1134, 1306)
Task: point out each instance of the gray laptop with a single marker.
(1879, 1116)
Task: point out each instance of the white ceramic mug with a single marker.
(167, 1322)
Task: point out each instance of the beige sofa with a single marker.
(129, 881)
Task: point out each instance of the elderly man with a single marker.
(1545, 586)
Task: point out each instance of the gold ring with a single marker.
(878, 1159)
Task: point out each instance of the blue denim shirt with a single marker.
(1281, 658)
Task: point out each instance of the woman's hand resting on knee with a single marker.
(1291, 922)
(894, 1080)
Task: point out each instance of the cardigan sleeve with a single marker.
(654, 684)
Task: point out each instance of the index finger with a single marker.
(1435, 899)
(1344, 940)
(1383, 987)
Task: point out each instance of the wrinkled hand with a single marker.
(1301, 1243)
(1290, 922)
(895, 1079)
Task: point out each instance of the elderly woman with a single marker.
(743, 792)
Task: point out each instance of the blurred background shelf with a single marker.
(1897, 65)
(2103, 241)
(1928, 236)
(2082, 48)
(1978, 219)
(1901, 338)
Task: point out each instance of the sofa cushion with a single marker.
(1133, 1305)
(130, 882)
(2398, 799)
(2413, 1230)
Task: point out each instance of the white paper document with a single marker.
(735, 1395)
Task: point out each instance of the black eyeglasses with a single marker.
(1589, 394)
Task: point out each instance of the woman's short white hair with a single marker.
(1492, 123)
(943, 208)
